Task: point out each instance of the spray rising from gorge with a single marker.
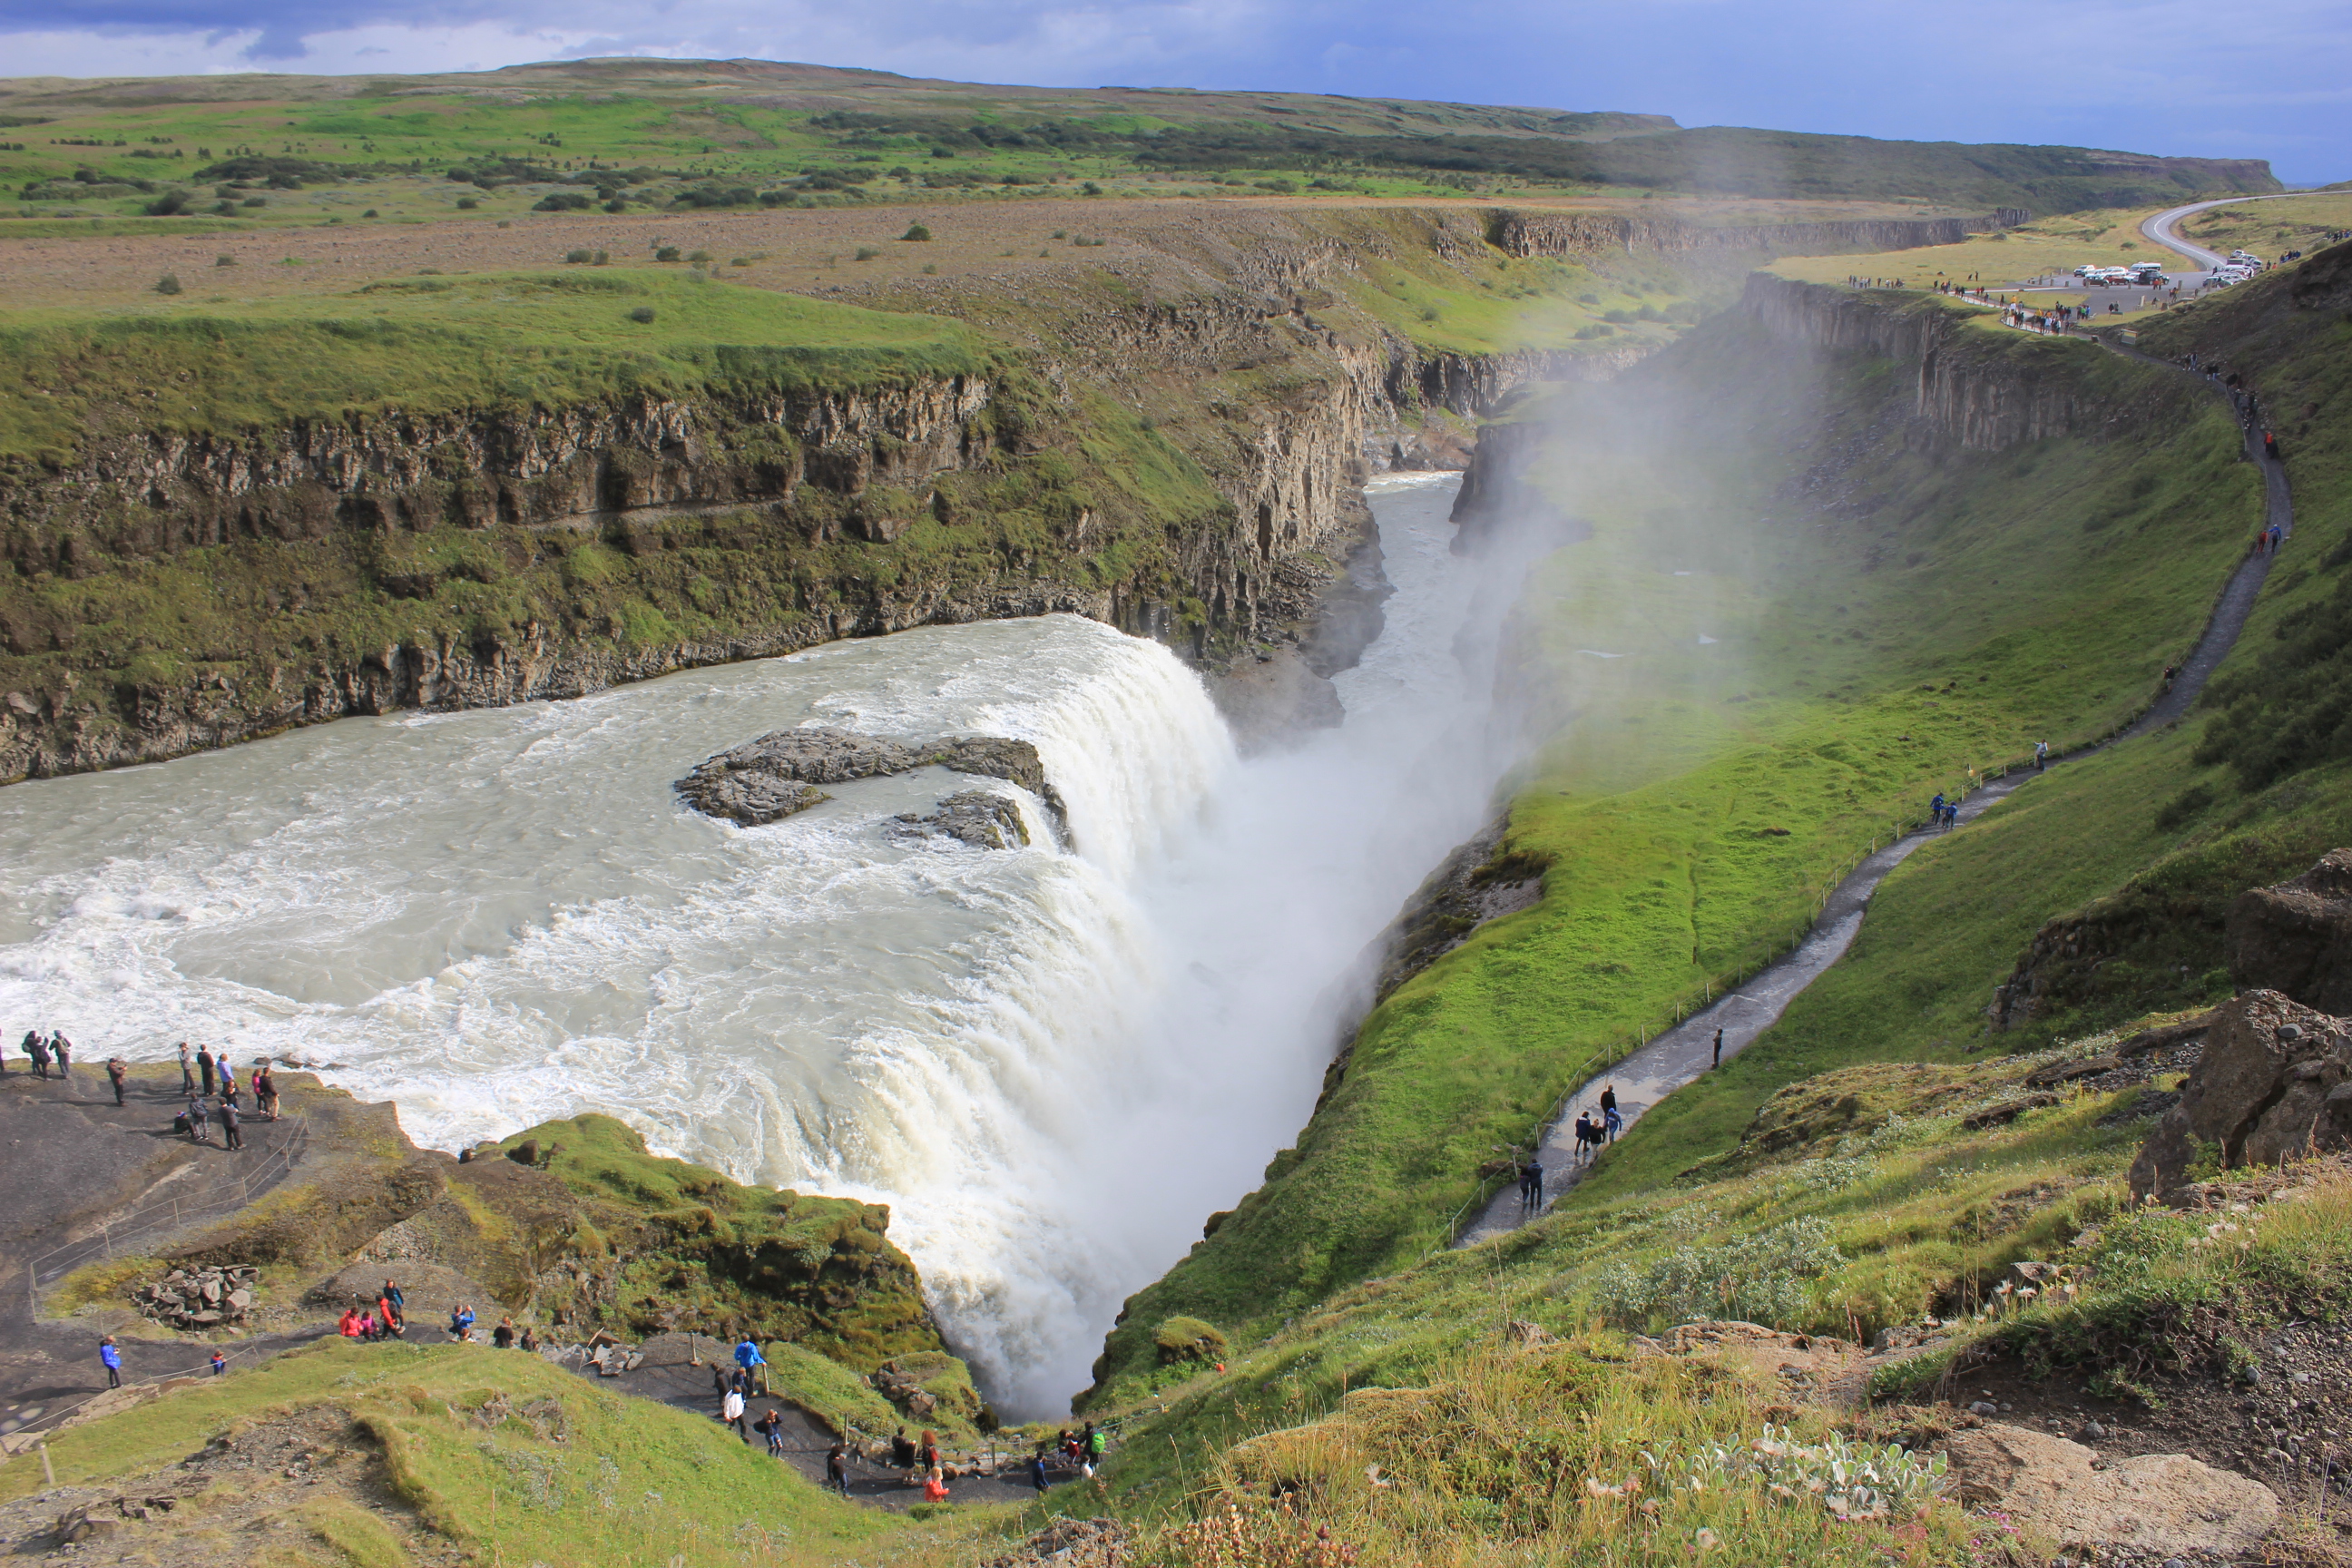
(1052, 1063)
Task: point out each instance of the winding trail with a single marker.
(1683, 1053)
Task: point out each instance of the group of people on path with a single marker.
(45, 1049)
(197, 1075)
(1593, 1132)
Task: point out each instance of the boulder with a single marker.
(2267, 1089)
(2153, 1506)
(972, 817)
(2296, 937)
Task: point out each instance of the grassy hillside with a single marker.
(702, 135)
(1915, 620)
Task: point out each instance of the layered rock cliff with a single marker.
(1590, 233)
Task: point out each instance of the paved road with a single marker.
(1685, 1052)
(2162, 230)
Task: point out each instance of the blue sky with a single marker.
(2269, 80)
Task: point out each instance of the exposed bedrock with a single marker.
(2274, 1083)
(771, 778)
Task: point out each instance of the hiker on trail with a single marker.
(1528, 1183)
(836, 1469)
(928, 1451)
(747, 1358)
(1583, 1136)
(230, 1136)
(348, 1324)
(219, 1365)
(187, 1070)
(1935, 809)
(1094, 1444)
(935, 1489)
(264, 1091)
(1719, 1051)
(1611, 1121)
(205, 1067)
(117, 1070)
(196, 1120)
(1531, 1182)
(2042, 747)
(772, 1427)
(40, 1051)
(64, 1047)
(391, 1297)
(730, 1411)
(112, 1358)
(902, 1451)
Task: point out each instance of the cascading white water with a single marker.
(1052, 1064)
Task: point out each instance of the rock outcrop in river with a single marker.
(771, 778)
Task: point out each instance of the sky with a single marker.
(2181, 77)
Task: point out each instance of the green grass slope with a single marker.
(1913, 619)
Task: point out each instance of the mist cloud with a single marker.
(2158, 75)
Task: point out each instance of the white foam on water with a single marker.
(1052, 1063)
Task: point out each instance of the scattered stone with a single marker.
(2262, 1095)
(1523, 1332)
(1984, 1407)
(2166, 1037)
(972, 816)
(771, 778)
(2150, 1504)
(198, 1298)
(1070, 1543)
(903, 1391)
(2067, 1072)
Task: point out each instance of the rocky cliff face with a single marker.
(354, 565)
(1593, 234)
(1975, 388)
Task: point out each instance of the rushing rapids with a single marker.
(1051, 1061)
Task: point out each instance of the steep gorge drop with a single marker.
(1053, 1062)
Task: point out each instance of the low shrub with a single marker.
(1761, 1279)
(1188, 1339)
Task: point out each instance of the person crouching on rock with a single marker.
(199, 1119)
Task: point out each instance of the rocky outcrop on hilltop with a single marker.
(771, 778)
(2274, 1083)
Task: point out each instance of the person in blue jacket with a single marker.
(747, 1360)
(113, 1357)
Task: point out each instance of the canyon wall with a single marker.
(1577, 234)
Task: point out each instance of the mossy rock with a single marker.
(1188, 1339)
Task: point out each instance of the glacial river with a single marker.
(1052, 1063)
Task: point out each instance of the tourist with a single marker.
(219, 1365)
(1609, 1117)
(1095, 1443)
(392, 1294)
(230, 1091)
(204, 1068)
(1037, 1470)
(39, 1050)
(195, 1119)
(348, 1325)
(1935, 809)
(935, 1486)
(1584, 1138)
(902, 1451)
(836, 1469)
(771, 1426)
(117, 1070)
(63, 1047)
(503, 1336)
(187, 1071)
(746, 1360)
(529, 1340)
(111, 1357)
(730, 1411)
(1532, 1178)
(264, 1091)
(230, 1137)
(2042, 747)
(1719, 1051)
(461, 1322)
